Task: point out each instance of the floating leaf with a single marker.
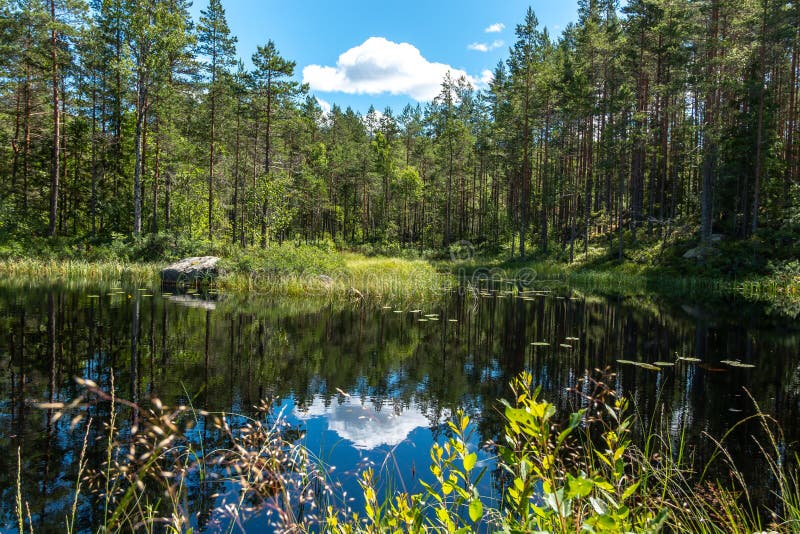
(664, 364)
(540, 344)
(737, 363)
(689, 359)
(565, 346)
(648, 366)
(572, 338)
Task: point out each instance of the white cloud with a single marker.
(325, 105)
(381, 66)
(497, 27)
(485, 47)
(362, 425)
(486, 77)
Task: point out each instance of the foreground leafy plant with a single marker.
(554, 488)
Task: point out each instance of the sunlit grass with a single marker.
(26, 271)
(359, 278)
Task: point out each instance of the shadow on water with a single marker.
(364, 381)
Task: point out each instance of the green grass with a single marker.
(78, 272)
(627, 278)
(296, 271)
(320, 270)
(346, 275)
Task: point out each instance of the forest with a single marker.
(654, 120)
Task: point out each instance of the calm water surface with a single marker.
(369, 385)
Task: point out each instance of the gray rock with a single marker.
(190, 270)
(694, 253)
(703, 251)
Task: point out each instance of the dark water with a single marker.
(362, 382)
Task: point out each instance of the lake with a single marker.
(374, 385)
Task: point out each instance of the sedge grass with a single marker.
(29, 271)
(359, 278)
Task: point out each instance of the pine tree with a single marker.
(216, 44)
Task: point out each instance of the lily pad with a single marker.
(689, 359)
(572, 338)
(540, 344)
(565, 346)
(664, 364)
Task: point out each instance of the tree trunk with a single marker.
(55, 174)
(141, 95)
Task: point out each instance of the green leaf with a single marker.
(578, 487)
(475, 510)
(630, 491)
(469, 462)
(606, 522)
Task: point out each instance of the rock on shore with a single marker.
(190, 270)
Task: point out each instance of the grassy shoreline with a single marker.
(352, 275)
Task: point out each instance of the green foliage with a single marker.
(548, 492)
(287, 259)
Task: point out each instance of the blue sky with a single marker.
(357, 53)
